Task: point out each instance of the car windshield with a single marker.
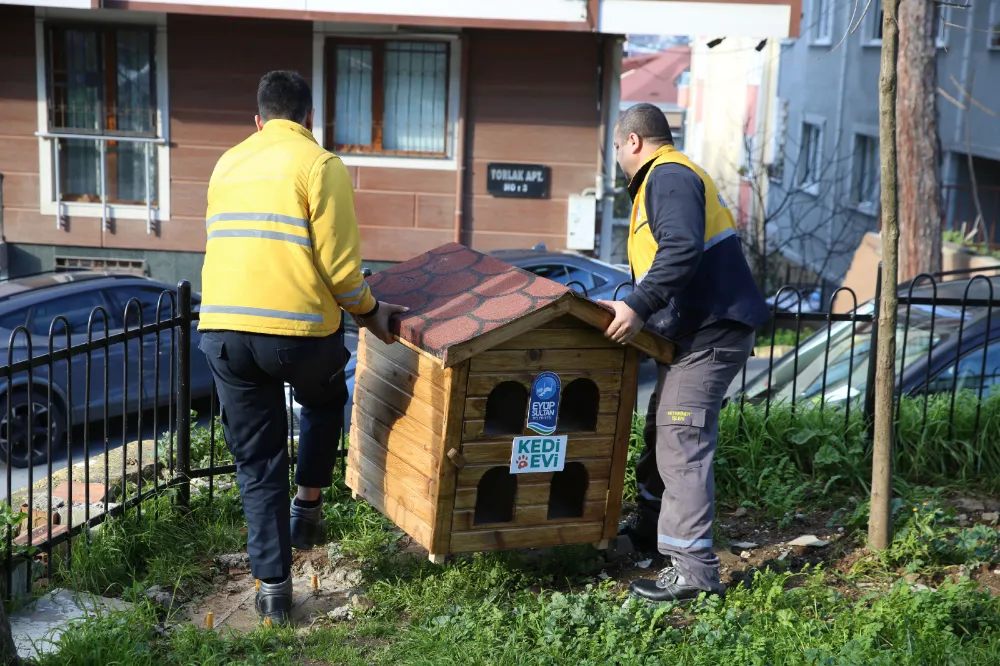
(850, 345)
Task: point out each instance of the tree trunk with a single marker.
(8, 653)
(880, 520)
(920, 221)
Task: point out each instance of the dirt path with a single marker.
(318, 589)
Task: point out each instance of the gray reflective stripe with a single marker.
(719, 237)
(350, 302)
(685, 543)
(639, 279)
(256, 233)
(257, 217)
(261, 312)
(350, 294)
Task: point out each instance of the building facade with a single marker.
(485, 123)
(824, 191)
(730, 126)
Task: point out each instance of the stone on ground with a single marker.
(38, 625)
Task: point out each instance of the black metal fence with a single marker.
(103, 384)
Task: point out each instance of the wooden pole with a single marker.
(880, 519)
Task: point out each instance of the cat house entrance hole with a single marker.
(505, 409)
(495, 497)
(581, 400)
(568, 492)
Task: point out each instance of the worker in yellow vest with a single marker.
(693, 285)
(283, 258)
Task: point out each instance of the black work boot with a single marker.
(274, 601)
(670, 586)
(308, 526)
(640, 528)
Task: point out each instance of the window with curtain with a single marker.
(101, 81)
(387, 97)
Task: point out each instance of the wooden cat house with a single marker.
(501, 419)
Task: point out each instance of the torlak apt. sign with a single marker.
(527, 181)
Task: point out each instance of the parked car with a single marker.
(927, 362)
(597, 279)
(35, 302)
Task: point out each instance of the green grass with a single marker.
(510, 608)
(163, 546)
(789, 458)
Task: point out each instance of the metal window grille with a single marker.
(388, 97)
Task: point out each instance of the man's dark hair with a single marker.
(284, 94)
(647, 122)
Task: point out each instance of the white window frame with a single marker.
(812, 186)
(160, 211)
(864, 207)
(822, 24)
(874, 20)
(778, 140)
(993, 24)
(875, 14)
(325, 30)
(943, 16)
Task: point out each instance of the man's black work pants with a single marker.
(250, 372)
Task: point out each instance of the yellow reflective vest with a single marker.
(721, 286)
(283, 254)
(719, 222)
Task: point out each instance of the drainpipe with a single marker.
(839, 143)
(612, 98)
(460, 132)
(962, 117)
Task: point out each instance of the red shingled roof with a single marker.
(455, 294)
(654, 78)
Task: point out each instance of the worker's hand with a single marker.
(378, 323)
(626, 324)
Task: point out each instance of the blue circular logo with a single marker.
(545, 388)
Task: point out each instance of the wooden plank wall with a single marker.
(532, 98)
(566, 346)
(23, 221)
(516, 111)
(214, 72)
(395, 451)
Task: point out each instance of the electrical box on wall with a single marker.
(581, 222)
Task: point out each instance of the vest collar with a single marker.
(279, 124)
(640, 175)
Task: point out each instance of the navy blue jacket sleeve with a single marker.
(675, 208)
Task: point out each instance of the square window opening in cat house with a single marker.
(501, 418)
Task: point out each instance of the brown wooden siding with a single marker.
(214, 65)
(23, 221)
(532, 99)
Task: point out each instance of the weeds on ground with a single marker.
(779, 459)
(162, 546)
(511, 609)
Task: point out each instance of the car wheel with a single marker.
(25, 436)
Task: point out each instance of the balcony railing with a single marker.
(56, 141)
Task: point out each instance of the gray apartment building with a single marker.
(824, 190)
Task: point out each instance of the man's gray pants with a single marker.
(675, 472)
